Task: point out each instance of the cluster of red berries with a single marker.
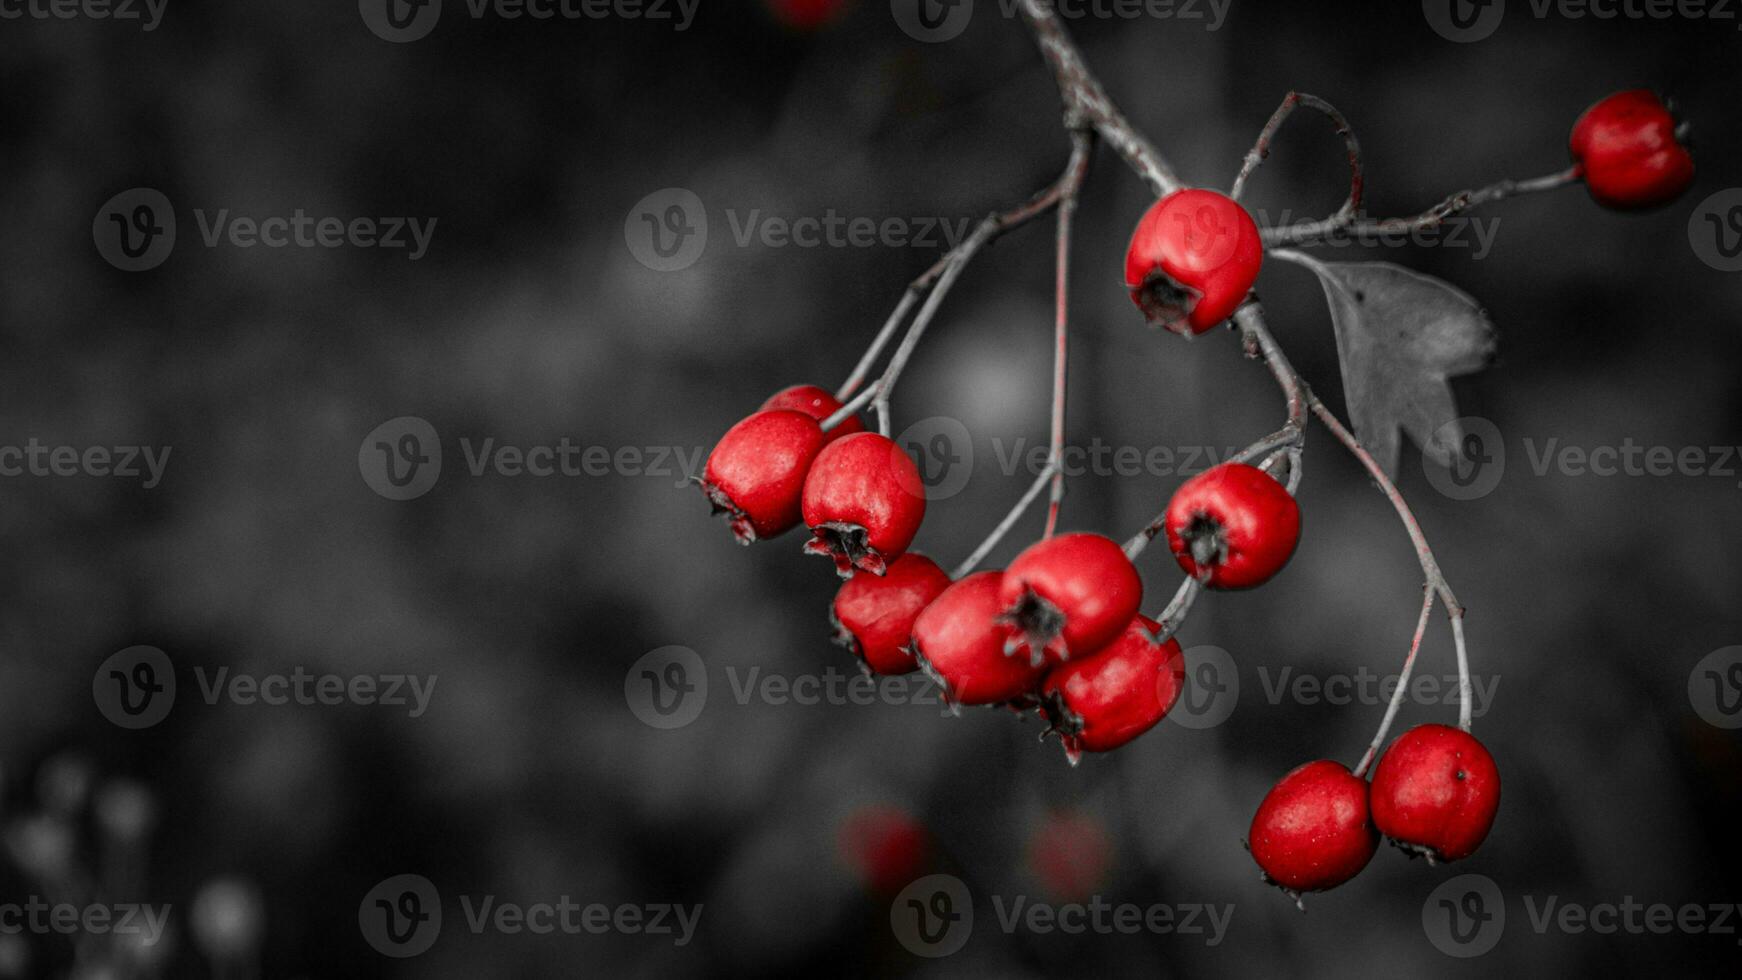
(1434, 795)
(1058, 630)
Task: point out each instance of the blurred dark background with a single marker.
(530, 320)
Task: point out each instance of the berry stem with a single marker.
(1086, 102)
(1174, 616)
(1261, 149)
(1427, 606)
(936, 281)
(1259, 341)
(909, 297)
(1082, 144)
(1424, 554)
(1028, 498)
(1332, 229)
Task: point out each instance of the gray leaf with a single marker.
(1400, 336)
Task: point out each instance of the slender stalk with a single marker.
(1028, 498)
(1082, 142)
(1427, 606)
(1086, 102)
(1423, 553)
(936, 281)
(1261, 149)
(861, 370)
(1332, 229)
(1174, 616)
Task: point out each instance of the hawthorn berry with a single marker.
(958, 644)
(885, 846)
(873, 615)
(1068, 596)
(863, 502)
(1435, 792)
(1232, 526)
(756, 475)
(1313, 831)
(819, 404)
(806, 15)
(1630, 152)
(1071, 854)
(1192, 260)
(1099, 703)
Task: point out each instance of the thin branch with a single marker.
(1174, 616)
(1423, 553)
(1082, 142)
(1427, 606)
(1261, 149)
(1028, 497)
(936, 281)
(1331, 229)
(1086, 102)
(861, 370)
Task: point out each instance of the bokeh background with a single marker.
(531, 320)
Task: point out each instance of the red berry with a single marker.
(806, 15)
(885, 845)
(1071, 853)
(863, 501)
(874, 615)
(818, 404)
(1068, 596)
(1192, 260)
(755, 476)
(1099, 703)
(1435, 792)
(1232, 526)
(958, 644)
(1312, 831)
(1629, 152)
